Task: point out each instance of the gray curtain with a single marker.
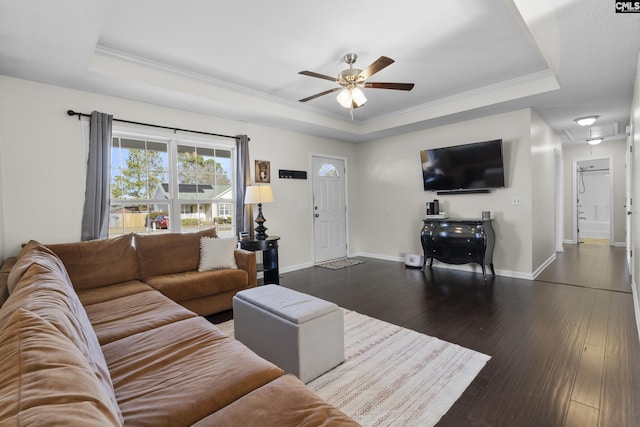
(243, 213)
(95, 217)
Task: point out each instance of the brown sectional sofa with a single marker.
(167, 262)
(84, 341)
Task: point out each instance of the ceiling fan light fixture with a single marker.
(351, 97)
(351, 80)
(344, 98)
(358, 97)
(586, 121)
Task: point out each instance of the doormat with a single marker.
(340, 263)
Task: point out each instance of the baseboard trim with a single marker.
(470, 268)
(291, 268)
(636, 304)
(379, 256)
(544, 265)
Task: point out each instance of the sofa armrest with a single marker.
(246, 260)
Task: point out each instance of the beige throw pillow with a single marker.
(217, 253)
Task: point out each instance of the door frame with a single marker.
(559, 198)
(312, 155)
(575, 197)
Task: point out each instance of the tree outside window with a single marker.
(143, 196)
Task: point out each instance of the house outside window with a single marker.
(161, 185)
(224, 209)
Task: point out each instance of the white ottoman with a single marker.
(301, 334)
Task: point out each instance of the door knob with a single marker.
(629, 212)
(317, 215)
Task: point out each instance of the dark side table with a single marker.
(269, 248)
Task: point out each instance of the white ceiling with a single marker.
(240, 59)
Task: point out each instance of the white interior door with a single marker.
(329, 208)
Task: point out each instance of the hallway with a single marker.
(592, 266)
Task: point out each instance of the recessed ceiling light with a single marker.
(586, 121)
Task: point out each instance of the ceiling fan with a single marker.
(352, 79)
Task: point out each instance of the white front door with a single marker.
(329, 208)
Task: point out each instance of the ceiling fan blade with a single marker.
(394, 86)
(318, 75)
(309, 98)
(377, 65)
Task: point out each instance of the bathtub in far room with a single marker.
(594, 229)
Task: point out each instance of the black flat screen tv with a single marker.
(467, 167)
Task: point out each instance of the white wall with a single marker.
(635, 219)
(545, 143)
(42, 164)
(584, 151)
(2, 227)
(390, 202)
(291, 215)
(42, 168)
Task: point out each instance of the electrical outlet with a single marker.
(516, 201)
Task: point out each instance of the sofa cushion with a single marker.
(217, 253)
(284, 402)
(122, 317)
(111, 292)
(44, 378)
(97, 263)
(180, 373)
(206, 306)
(194, 284)
(43, 290)
(169, 252)
(34, 253)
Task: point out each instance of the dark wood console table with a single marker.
(269, 248)
(458, 241)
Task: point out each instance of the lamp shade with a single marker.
(258, 194)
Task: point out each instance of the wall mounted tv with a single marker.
(467, 168)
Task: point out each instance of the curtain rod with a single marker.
(174, 129)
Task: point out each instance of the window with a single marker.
(161, 185)
(328, 170)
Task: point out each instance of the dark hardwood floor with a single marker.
(594, 266)
(565, 350)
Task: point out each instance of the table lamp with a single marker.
(259, 194)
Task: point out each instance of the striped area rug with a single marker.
(394, 376)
